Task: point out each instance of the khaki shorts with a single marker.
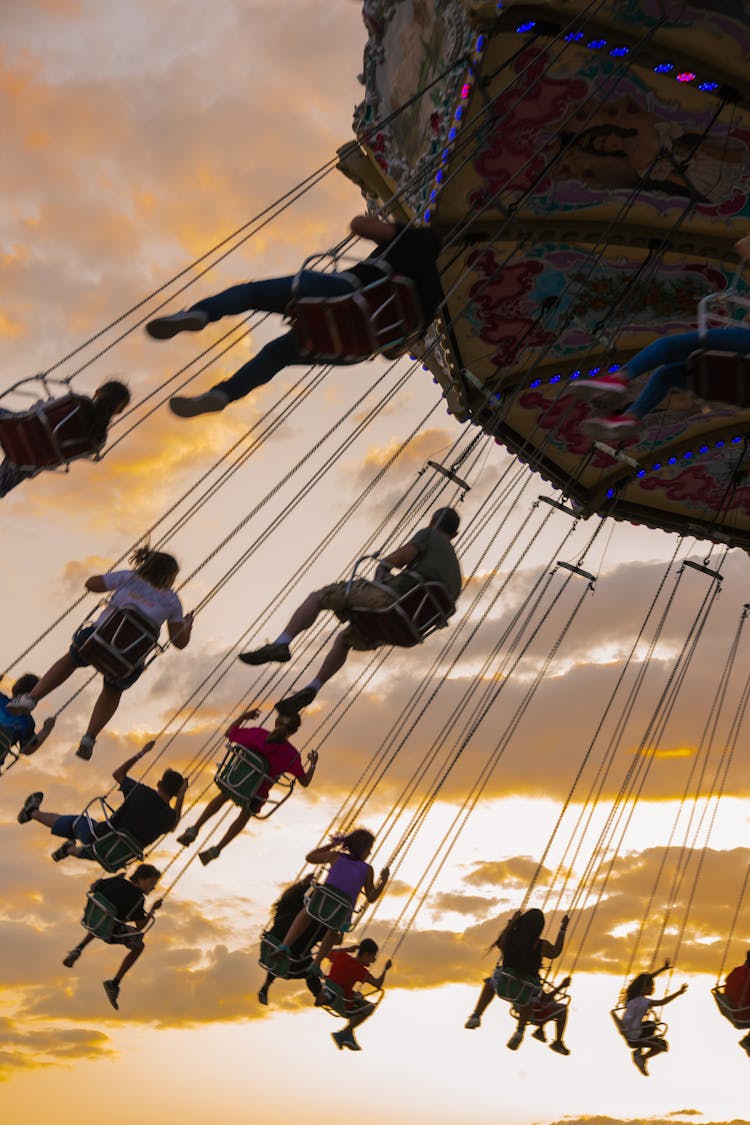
(363, 595)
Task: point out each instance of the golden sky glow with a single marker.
(140, 133)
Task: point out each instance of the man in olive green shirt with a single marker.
(427, 557)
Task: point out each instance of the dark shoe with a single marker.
(267, 654)
(71, 958)
(539, 1034)
(112, 988)
(186, 406)
(86, 747)
(30, 805)
(209, 855)
(165, 327)
(515, 1041)
(559, 1047)
(63, 851)
(263, 996)
(293, 704)
(189, 836)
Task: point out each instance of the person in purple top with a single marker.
(350, 874)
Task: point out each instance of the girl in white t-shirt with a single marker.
(147, 588)
(639, 1031)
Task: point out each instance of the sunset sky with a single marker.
(137, 136)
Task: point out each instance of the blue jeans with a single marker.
(667, 358)
(272, 296)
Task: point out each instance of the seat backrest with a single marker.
(329, 907)
(114, 849)
(241, 774)
(99, 916)
(518, 988)
(120, 643)
(738, 1017)
(720, 376)
(405, 623)
(49, 435)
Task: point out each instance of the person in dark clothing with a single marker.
(428, 556)
(127, 896)
(523, 948)
(145, 813)
(409, 252)
(285, 910)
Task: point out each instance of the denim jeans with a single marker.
(667, 358)
(272, 296)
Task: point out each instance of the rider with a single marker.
(429, 555)
(350, 965)
(639, 1031)
(19, 730)
(410, 252)
(281, 757)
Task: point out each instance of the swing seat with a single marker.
(289, 967)
(120, 643)
(720, 377)
(409, 620)
(329, 907)
(517, 988)
(738, 1017)
(659, 1031)
(335, 1000)
(241, 774)
(100, 919)
(49, 435)
(114, 849)
(381, 318)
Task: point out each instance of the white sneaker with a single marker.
(21, 704)
(165, 327)
(186, 406)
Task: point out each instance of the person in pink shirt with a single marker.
(281, 757)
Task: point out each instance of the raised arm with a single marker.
(253, 713)
(122, 771)
(326, 854)
(672, 996)
(374, 890)
(551, 951)
(181, 797)
(377, 982)
(374, 230)
(180, 631)
(32, 744)
(309, 773)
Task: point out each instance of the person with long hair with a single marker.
(146, 588)
(284, 911)
(109, 399)
(640, 1032)
(350, 875)
(409, 252)
(522, 950)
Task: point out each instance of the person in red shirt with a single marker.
(347, 970)
(281, 756)
(737, 993)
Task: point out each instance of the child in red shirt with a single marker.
(346, 971)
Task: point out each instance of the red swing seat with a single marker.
(411, 618)
(720, 377)
(49, 434)
(120, 643)
(378, 319)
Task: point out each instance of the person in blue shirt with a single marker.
(19, 731)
